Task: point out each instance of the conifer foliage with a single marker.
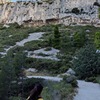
(97, 40)
(87, 62)
(56, 37)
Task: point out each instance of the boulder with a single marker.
(88, 31)
(98, 51)
(70, 79)
(70, 72)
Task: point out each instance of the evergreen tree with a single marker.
(19, 63)
(11, 69)
(87, 62)
(7, 75)
(97, 40)
(56, 37)
(79, 39)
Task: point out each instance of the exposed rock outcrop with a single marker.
(50, 11)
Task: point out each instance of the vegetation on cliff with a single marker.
(77, 45)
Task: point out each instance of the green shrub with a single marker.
(42, 54)
(79, 39)
(64, 90)
(34, 45)
(15, 98)
(96, 4)
(86, 64)
(70, 79)
(97, 40)
(46, 93)
(98, 79)
(74, 83)
(75, 10)
(91, 79)
(56, 41)
(15, 25)
(63, 68)
(48, 49)
(25, 86)
(44, 64)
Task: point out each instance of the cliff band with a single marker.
(50, 11)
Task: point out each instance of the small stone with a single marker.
(10, 35)
(88, 31)
(32, 70)
(98, 51)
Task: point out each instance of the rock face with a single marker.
(4, 1)
(51, 11)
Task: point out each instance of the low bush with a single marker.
(48, 49)
(24, 86)
(91, 79)
(44, 64)
(70, 79)
(86, 64)
(64, 90)
(98, 79)
(34, 45)
(42, 54)
(75, 10)
(96, 4)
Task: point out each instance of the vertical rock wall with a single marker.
(57, 11)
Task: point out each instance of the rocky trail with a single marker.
(51, 54)
(31, 37)
(86, 90)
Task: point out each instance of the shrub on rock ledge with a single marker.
(75, 10)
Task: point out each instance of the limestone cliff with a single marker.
(4, 1)
(49, 11)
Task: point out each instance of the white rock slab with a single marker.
(51, 54)
(47, 57)
(47, 78)
(31, 37)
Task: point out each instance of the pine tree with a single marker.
(19, 63)
(56, 37)
(79, 39)
(7, 75)
(97, 40)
